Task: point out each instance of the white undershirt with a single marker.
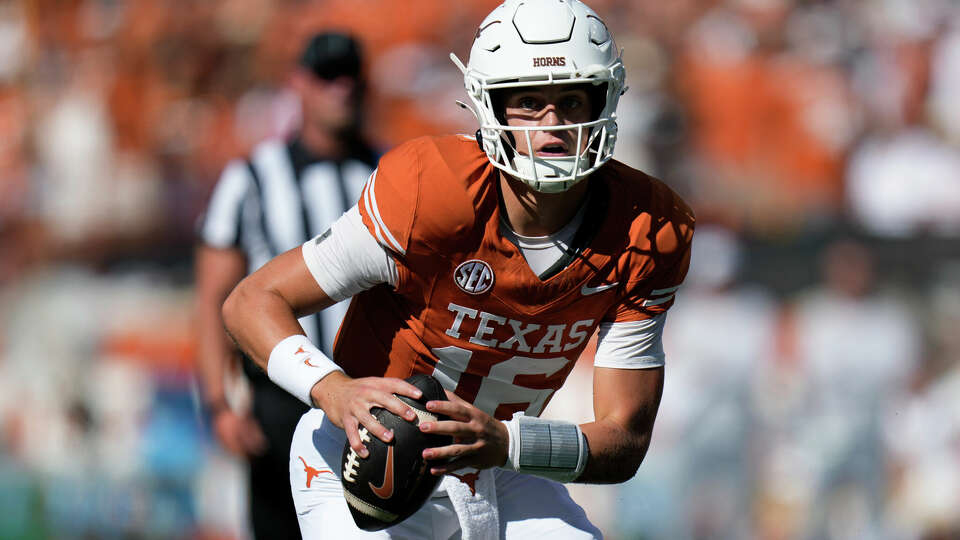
(542, 252)
(347, 259)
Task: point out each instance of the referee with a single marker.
(283, 194)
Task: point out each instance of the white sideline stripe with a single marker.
(658, 292)
(371, 201)
(657, 302)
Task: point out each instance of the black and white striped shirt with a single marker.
(277, 200)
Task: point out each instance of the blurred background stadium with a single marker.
(813, 380)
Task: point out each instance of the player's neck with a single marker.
(532, 213)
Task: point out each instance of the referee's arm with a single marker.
(219, 264)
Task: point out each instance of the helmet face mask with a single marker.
(536, 43)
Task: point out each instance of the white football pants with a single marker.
(529, 506)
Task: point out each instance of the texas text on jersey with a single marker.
(469, 310)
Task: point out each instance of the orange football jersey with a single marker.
(469, 310)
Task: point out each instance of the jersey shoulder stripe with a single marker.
(425, 192)
(381, 231)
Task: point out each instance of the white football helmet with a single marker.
(544, 42)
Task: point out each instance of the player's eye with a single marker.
(571, 103)
(529, 103)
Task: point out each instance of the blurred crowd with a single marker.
(813, 357)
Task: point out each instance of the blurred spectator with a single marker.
(945, 83)
(771, 154)
(79, 405)
(74, 147)
(854, 346)
(903, 178)
(720, 335)
(905, 183)
(284, 194)
(922, 426)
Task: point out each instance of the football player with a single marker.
(487, 261)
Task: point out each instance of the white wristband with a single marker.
(296, 365)
(553, 449)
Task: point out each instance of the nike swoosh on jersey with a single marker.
(385, 490)
(587, 291)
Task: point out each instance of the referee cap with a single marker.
(329, 55)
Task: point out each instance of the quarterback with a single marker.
(486, 261)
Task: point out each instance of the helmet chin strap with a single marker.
(543, 174)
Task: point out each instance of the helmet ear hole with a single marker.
(597, 94)
(508, 148)
(498, 101)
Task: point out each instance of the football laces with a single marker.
(353, 459)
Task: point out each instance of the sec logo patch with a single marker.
(474, 277)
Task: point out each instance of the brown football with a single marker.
(394, 481)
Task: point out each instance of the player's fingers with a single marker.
(467, 460)
(454, 428)
(457, 410)
(350, 427)
(393, 404)
(369, 421)
(452, 396)
(400, 386)
(455, 465)
(449, 452)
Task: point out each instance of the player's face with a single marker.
(548, 106)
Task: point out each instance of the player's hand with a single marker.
(347, 402)
(479, 440)
(240, 434)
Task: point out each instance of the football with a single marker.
(394, 480)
